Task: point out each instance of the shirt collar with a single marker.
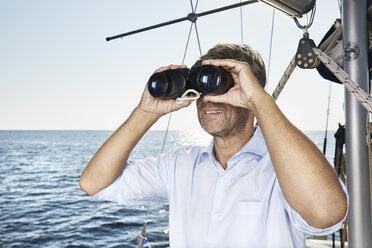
(256, 145)
(209, 150)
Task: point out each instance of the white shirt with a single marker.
(242, 206)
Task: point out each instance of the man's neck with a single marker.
(226, 147)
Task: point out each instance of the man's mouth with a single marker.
(213, 112)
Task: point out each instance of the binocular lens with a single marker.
(168, 84)
(209, 79)
(158, 86)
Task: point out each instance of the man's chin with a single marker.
(214, 131)
(213, 127)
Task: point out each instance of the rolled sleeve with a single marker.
(302, 225)
(141, 182)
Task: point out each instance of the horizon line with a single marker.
(115, 129)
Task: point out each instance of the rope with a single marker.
(351, 86)
(284, 79)
(194, 95)
(339, 7)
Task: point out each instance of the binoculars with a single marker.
(204, 79)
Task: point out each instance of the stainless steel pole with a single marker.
(355, 40)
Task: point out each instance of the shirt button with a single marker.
(223, 177)
(218, 213)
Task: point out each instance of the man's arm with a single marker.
(308, 182)
(109, 161)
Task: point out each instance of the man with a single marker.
(267, 187)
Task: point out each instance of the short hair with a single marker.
(239, 52)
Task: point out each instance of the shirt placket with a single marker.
(218, 214)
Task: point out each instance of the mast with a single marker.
(355, 42)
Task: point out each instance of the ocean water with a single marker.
(41, 204)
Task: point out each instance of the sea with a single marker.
(42, 205)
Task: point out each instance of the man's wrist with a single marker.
(258, 101)
(146, 114)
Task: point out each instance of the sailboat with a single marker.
(355, 52)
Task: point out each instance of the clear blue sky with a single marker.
(58, 72)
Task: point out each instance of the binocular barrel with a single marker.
(205, 79)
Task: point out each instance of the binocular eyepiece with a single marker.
(204, 79)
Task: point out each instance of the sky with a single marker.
(57, 71)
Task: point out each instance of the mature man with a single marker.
(263, 187)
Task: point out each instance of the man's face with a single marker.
(221, 120)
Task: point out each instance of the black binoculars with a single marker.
(204, 79)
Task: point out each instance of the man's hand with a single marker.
(246, 88)
(159, 106)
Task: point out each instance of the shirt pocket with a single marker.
(248, 208)
(247, 224)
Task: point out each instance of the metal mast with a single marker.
(355, 42)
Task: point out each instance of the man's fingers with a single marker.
(170, 67)
(228, 63)
(178, 106)
(164, 68)
(216, 98)
(177, 66)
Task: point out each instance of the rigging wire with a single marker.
(241, 23)
(325, 143)
(197, 37)
(326, 129)
(271, 45)
(196, 29)
(187, 43)
(192, 6)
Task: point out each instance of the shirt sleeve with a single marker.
(141, 182)
(302, 225)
